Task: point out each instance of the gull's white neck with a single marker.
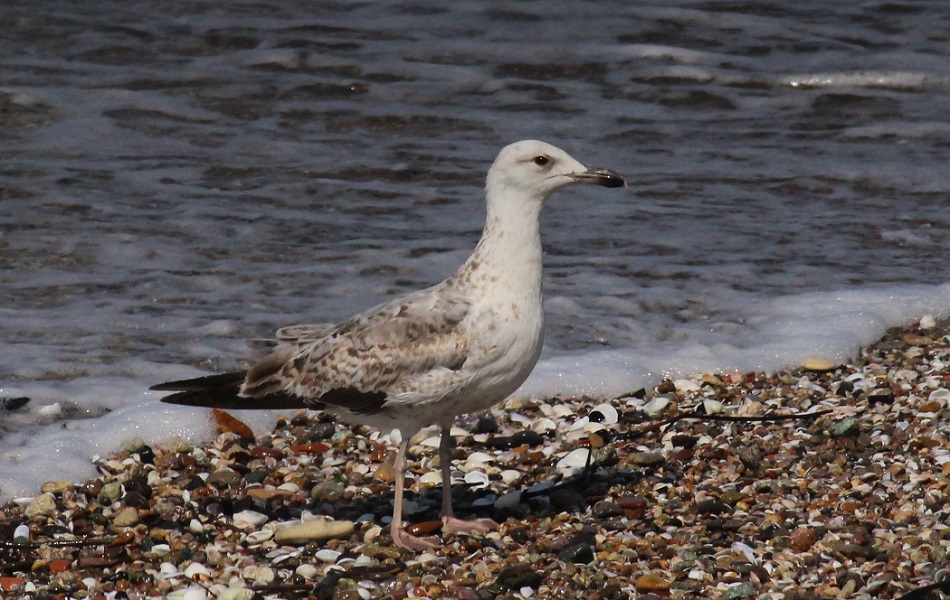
(507, 258)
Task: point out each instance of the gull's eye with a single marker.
(541, 160)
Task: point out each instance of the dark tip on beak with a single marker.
(604, 177)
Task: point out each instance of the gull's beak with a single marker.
(599, 176)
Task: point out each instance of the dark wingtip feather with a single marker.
(222, 391)
(201, 383)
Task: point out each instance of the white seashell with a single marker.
(21, 533)
(195, 526)
(477, 479)
(713, 407)
(593, 427)
(943, 394)
(258, 573)
(326, 555)
(289, 486)
(236, 593)
(609, 413)
(192, 593)
(562, 410)
(518, 418)
(656, 406)
(686, 385)
(431, 441)
(249, 519)
(526, 591)
(307, 571)
(195, 569)
(89, 582)
(425, 557)
(543, 425)
(166, 570)
(161, 549)
(927, 322)
(480, 457)
(575, 459)
(579, 424)
(362, 560)
(431, 478)
(508, 501)
(256, 538)
(509, 476)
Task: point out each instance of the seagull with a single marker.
(460, 346)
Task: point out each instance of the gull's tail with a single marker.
(223, 391)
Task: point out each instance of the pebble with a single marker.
(313, 531)
(818, 364)
(385, 472)
(581, 553)
(110, 492)
(645, 458)
(224, 479)
(41, 505)
(802, 539)
(518, 576)
(56, 487)
(126, 517)
(649, 583)
(327, 491)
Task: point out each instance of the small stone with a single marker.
(225, 423)
(59, 566)
(881, 396)
(802, 539)
(645, 458)
(41, 505)
(508, 501)
(740, 590)
(265, 452)
(565, 498)
(385, 472)
(224, 478)
(322, 431)
(327, 491)
(313, 531)
(518, 576)
(55, 487)
(712, 506)
(649, 583)
(424, 528)
(127, 517)
(582, 553)
(818, 364)
(846, 426)
(606, 509)
(110, 492)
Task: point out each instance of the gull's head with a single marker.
(537, 169)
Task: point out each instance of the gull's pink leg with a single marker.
(449, 523)
(400, 538)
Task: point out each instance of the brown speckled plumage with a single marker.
(460, 346)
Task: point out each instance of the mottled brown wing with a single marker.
(360, 363)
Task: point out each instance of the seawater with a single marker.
(177, 179)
